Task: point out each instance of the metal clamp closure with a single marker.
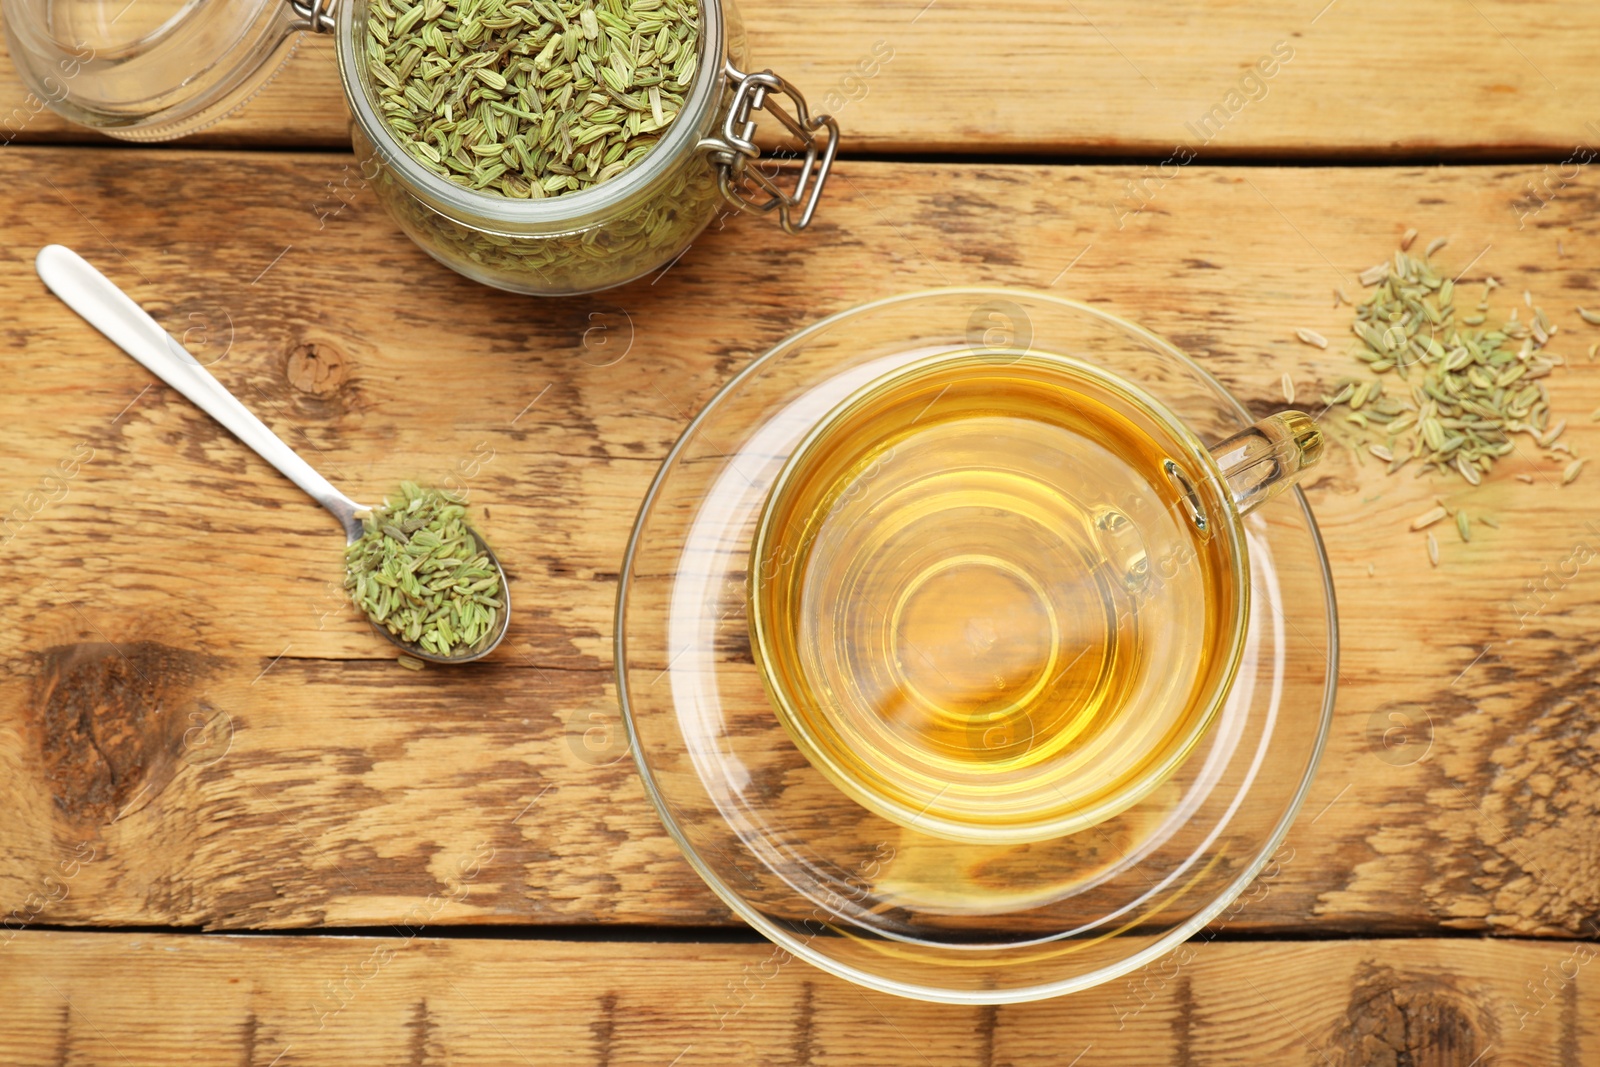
(314, 15)
(735, 151)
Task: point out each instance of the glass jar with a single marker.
(158, 69)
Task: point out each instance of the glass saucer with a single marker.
(887, 905)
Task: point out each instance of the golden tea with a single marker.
(997, 597)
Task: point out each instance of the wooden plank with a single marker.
(351, 787)
(292, 1001)
(1494, 78)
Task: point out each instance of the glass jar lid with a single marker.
(151, 70)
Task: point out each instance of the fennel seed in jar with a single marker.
(531, 98)
(418, 572)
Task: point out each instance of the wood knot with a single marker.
(1507, 840)
(111, 722)
(316, 368)
(1399, 1019)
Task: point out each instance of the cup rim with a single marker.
(801, 948)
(1072, 820)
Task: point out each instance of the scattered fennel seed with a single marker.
(1373, 275)
(1444, 392)
(1433, 551)
(1591, 317)
(1463, 526)
(1405, 242)
(1428, 518)
(1312, 337)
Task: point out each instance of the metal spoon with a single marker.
(111, 311)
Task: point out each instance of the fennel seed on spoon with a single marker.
(418, 572)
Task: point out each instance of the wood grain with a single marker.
(185, 695)
(1491, 78)
(133, 1000)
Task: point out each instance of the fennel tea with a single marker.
(997, 597)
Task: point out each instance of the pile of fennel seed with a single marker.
(1445, 389)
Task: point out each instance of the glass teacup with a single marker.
(998, 595)
(960, 911)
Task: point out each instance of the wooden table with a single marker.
(232, 830)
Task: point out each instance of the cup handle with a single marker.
(1264, 460)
